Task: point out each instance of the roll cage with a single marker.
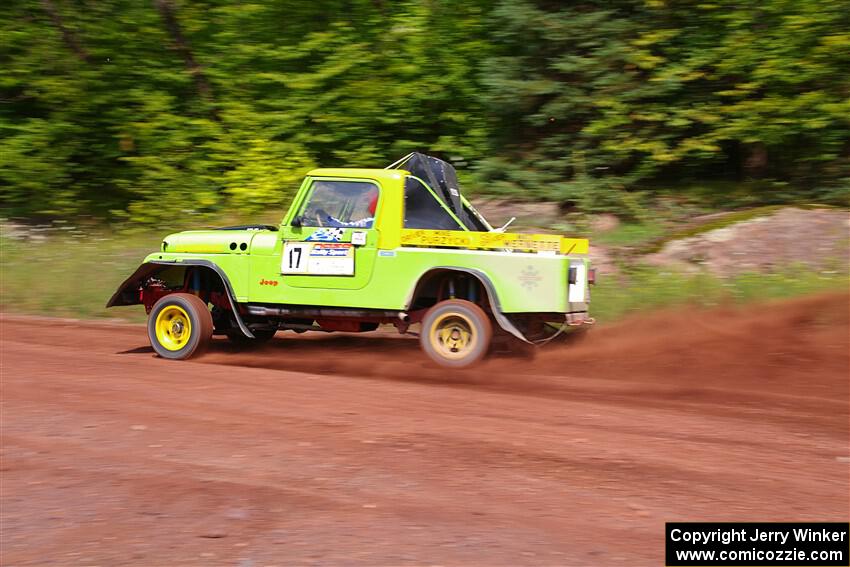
(440, 178)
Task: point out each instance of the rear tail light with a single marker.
(591, 276)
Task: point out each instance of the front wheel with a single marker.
(456, 333)
(180, 326)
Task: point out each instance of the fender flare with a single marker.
(492, 296)
(150, 268)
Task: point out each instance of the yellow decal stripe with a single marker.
(513, 241)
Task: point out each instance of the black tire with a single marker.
(167, 324)
(456, 333)
(261, 336)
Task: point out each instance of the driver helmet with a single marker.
(373, 202)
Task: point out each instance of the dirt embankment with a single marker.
(775, 238)
(816, 238)
(354, 450)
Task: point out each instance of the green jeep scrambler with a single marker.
(357, 249)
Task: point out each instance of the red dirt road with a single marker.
(353, 450)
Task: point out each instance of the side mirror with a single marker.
(296, 221)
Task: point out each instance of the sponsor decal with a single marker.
(326, 235)
(387, 253)
(329, 250)
(529, 277)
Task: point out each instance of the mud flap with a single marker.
(506, 325)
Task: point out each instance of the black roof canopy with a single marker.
(442, 178)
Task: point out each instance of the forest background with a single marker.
(140, 111)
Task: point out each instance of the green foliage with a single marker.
(599, 98)
(115, 110)
(150, 111)
(630, 234)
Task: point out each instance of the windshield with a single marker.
(341, 204)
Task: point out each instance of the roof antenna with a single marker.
(505, 226)
(399, 161)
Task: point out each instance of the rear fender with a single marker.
(492, 297)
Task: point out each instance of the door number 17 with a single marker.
(294, 259)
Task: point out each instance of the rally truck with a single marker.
(357, 249)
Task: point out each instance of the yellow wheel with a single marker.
(173, 327)
(456, 333)
(179, 326)
(452, 335)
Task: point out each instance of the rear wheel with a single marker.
(180, 326)
(456, 333)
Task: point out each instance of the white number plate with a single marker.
(318, 258)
